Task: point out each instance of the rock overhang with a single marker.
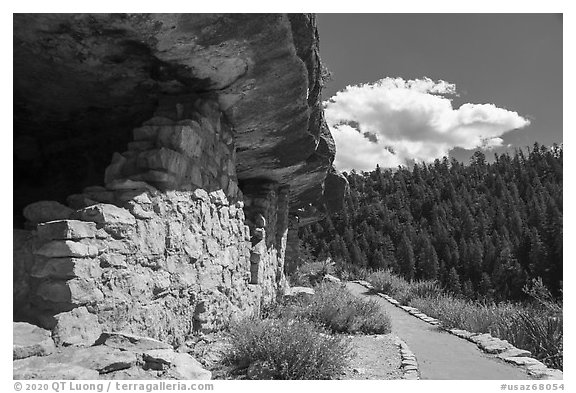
(82, 82)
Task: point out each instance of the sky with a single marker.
(422, 86)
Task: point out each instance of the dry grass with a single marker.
(535, 326)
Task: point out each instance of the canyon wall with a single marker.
(159, 161)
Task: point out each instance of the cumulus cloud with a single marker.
(393, 122)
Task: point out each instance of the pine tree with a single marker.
(405, 257)
(454, 281)
(497, 224)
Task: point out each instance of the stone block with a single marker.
(76, 327)
(496, 346)
(113, 260)
(164, 136)
(514, 352)
(66, 230)
(44, 211)
(106, 214)
(146, 133)
(138, 211)
(115, 220)
(164, 159)
(75, 292)
(30, 340)
(187, 139)
(66, 248)
(158, 178)
(524, 361)
(142, 145)
(66, 268)
(218, 198)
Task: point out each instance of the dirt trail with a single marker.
(441, 355)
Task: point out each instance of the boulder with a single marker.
(44, 211)
(100, 358)
(176, 365)
(66, 230)
(30, 340)
(131, 342)
(76, 327)
(74, 363)
(37, 368)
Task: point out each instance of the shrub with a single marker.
(400, 289)
(337, 309)
(290, 348)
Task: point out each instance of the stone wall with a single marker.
(164, 249)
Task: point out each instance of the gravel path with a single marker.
(441, 355)
(377, 357)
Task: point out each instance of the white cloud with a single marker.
(393, 121)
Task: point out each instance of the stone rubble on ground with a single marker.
(30, 340)
(114, 355)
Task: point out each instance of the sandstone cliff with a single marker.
(159, 163)
(83, 82)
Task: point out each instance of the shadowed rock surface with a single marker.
(82, 82)
(160, 160)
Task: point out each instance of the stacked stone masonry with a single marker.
(186, 145)
(164, 248)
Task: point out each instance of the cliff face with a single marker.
(83, 82)
(174, 149)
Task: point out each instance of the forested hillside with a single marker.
(482, 229)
